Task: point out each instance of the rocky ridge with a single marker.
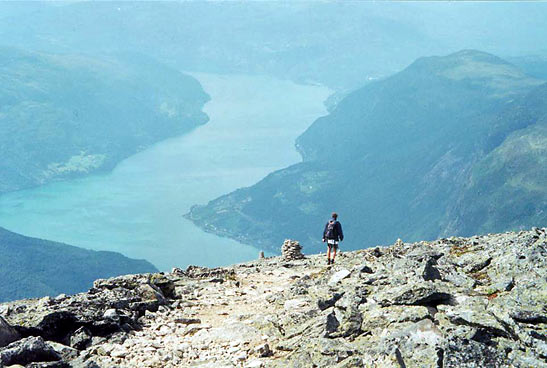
(456, 302)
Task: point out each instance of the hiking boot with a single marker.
(328, 261)
(332, 261)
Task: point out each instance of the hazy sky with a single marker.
(338, 43)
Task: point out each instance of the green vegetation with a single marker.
(62, 116)
(35, 267)
(441, 148)
(507, 188)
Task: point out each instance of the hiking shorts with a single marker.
(332, 244)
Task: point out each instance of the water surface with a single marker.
(137, 209)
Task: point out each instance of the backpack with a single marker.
(329, 234)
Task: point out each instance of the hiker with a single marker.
(332, 235)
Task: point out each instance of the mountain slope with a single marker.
(506, 188)
(34, 267)
(452, 303)
(395, 159)
(63, 116)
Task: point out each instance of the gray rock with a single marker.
(80, 339)
(325, 303)
(429, 272)
(350, 323)
(188, 321)
(425, 293)
(66, 352)
(58, 320)
(263, 350)
(331, 324)
(8, 334)
(476, 316)
(527, 316)
(458, 302)
(337, 348)
(375, 317)
(59, 364)
(364, 268)
(339, 276)
(478, 264)
(351, 299)
(460, 353)
(83, 362)
(111, 314)
(460, 279)
(28, 350)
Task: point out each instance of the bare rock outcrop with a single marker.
(457, 302)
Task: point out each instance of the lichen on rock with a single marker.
(458, 302)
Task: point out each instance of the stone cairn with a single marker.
(291, 250)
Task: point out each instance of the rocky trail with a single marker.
(457, 302)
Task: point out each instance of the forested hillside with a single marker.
(451, 145)
(63, 116)
(34, 267)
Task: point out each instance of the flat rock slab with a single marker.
(294, 304)
(425, 293)
(338, 276)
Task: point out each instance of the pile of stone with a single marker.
(291, 250)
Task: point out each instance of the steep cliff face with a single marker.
(457, 302)
(410, 156)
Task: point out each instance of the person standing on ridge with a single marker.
(332, 235)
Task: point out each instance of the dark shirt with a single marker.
(338, 234)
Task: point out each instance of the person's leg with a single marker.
(334, 248)
(328, 253)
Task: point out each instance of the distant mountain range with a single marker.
(63, 116)
(534, 65)
(33, 267)
(451, 145)
(300, 40)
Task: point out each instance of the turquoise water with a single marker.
(137, 209)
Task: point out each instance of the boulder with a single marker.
(80, 339)
(331, 324)
(8, 334)
(424, 293)
(28, 350)
(429, 271)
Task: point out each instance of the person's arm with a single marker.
(325, 231)
(340, 233)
